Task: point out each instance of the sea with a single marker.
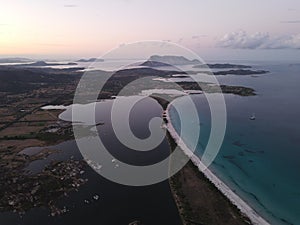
(259, 159)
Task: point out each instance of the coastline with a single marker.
(234, 199)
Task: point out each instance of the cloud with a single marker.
(242, 40)
(290, 21)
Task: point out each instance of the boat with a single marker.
(252, 117)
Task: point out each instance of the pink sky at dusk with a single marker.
(92, 27)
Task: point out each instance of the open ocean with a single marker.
(259, 159)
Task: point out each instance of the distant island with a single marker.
(223, 66)
(173, 60)
(15, 60)
(43, 63)
(90, 60)
(241, 72)
(150, 63)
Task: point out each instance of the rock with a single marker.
(96, 197)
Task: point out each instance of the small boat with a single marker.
(252, 117)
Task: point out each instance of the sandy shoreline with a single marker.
(254, 217)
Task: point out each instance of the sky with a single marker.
(234, 29)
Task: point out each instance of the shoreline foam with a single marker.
(254, 217)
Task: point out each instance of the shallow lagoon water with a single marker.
(117, 204)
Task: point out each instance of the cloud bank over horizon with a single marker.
(242, 40)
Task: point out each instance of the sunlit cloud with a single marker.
(242, 40)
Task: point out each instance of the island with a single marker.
(15, 60)
(173, 60)
(43, 63)
(150, 63)
(222, 66)
(90, 60)
(241, 72)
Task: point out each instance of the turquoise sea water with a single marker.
(260, 159)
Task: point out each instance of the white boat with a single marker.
(252, 117)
